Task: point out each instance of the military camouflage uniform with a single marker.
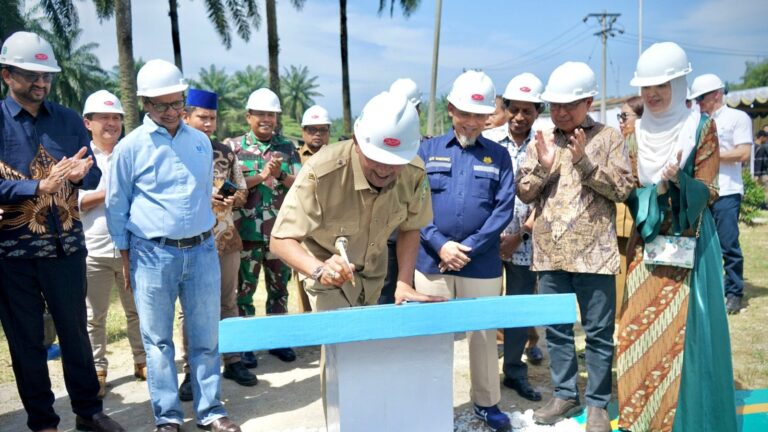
(255, 221)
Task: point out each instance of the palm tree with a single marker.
(216, 80)
(242, 83)
(273, 44)
(407, 6)
(11, 20)
(298, 91)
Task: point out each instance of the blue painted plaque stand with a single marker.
(391, 367)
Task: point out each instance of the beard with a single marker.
(466, 141)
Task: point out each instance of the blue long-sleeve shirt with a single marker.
(29, 148)
(473, 196)
(160, 185)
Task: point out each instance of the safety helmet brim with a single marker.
(33, 67)
(163, 90)
(387, 157)
(551, 97)
(472, 108)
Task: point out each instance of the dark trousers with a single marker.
(726, 213)
(387, 295)
(27, 285)
(519, 280)
(596, 296)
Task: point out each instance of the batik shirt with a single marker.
(29, 148)
(524, 253)
(226, 167)
(256, 219)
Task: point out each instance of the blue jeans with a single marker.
(159, 274)
(596, 295)
(726, 213)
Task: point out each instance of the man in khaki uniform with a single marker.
(361, 190)
(315, 131)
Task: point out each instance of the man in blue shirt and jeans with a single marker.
(44, 159)
(473, 196)
(160, 218)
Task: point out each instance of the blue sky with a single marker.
(502, 37)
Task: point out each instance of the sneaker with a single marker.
(102, 377)
(185, 389)
(285, 354)
(555, 410)
(733, 305)
(249, 359)
(240, 374)
(493, 418)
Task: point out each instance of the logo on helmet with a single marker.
(315, 116)
(41, 56)
(108, 103)
(525, 89)
(478, 97)
(392, 142)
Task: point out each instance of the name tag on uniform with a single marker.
(245, 156)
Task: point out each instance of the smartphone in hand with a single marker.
(227, 189)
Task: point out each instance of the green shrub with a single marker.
(753, 200)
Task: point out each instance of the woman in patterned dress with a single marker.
(673, 352)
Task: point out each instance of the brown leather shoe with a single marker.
(221, 424)
(140, 371)
(102, 377)
(98, 423)
(598, 420)
(555, 410)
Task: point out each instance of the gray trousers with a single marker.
(519, 280)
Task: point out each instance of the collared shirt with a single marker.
(332, 198)
(734, 127)
(160, 185)
(305, 153)
(256, 219)
(97, 237)
(524, 253)
(575, 226)
(473, 196)
(29, 148)
(226, 167)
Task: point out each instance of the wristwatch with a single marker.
(282, 176)
(317, 273)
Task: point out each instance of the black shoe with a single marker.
(167, 427)
(249, 359)
(733, 305)
(285, 354)
(98, 423)
(240, 374)
(185, 389)
(523, 388)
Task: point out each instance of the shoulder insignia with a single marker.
(487, 160)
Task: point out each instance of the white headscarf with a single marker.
(660, 136)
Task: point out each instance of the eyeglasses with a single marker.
(163, 107)
(32, 77)
(565, 106)
(313, 130)
(622, 117)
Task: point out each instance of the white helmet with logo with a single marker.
(525, 87)
(408, 88)
(387, 129)
(706, 83)
(473, 92)
(28, 51)
(159, 77)
(660, 63)
(569, 82)
(264, 99)
(103, 101)
(315, 115)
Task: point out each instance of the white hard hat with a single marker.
(159, 77)
(263, 99)
(387, 129)
(315, 115)
(704, 84)
(569, 82)
(28, 51)
(525, 87)
(473, 92)
(408, 88)
(103, 101)
(660, 63)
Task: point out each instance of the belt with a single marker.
(185, 242)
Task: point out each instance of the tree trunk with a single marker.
(345, 68)
(125, 62)
(273, 45)
(174, 14)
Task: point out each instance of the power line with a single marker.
(607, 21)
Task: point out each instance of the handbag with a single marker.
(672, 250)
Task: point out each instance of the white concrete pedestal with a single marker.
(403, 385)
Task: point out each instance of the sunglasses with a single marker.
(32, 77)
(313, 130)
(163, 107)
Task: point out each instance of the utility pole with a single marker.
(607, 20)
(639, 32)
(433, 84)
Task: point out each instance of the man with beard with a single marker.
(473, 195)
